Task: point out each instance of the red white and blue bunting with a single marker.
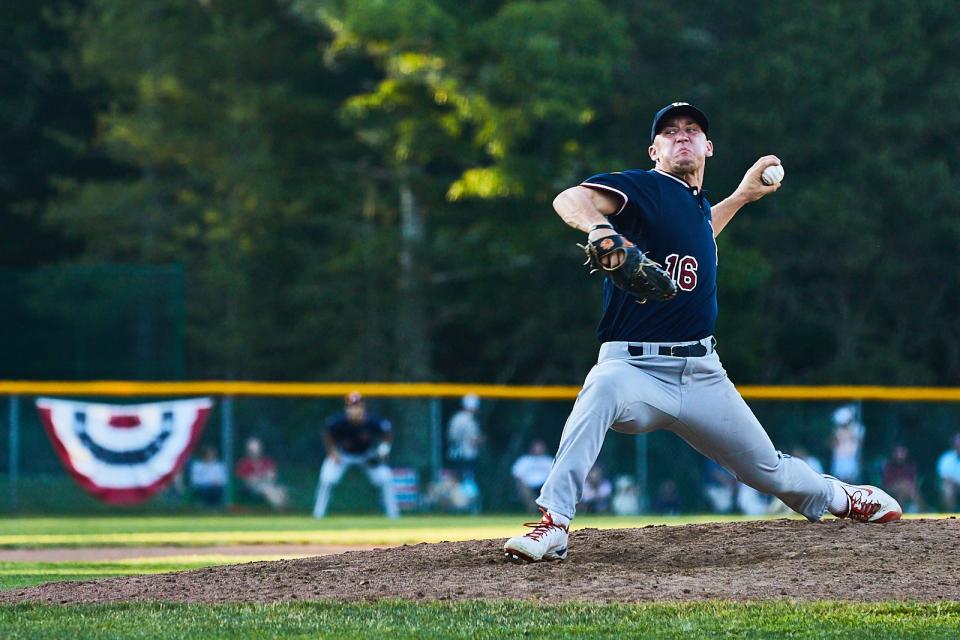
(123, 454)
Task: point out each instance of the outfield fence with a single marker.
(288, 418)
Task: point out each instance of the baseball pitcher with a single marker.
(652, 234)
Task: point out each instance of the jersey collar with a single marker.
(693, 190)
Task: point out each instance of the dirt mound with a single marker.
(838, 560)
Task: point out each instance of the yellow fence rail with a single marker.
(429, 389)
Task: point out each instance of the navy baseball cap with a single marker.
(678, 109)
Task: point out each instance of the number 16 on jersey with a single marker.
(683, 270)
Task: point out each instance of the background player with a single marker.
(356, 438)
(464, 438)
(657, 367)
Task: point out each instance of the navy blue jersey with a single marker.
(664, 216)
(357, 438)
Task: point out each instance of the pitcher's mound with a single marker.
(835, 560)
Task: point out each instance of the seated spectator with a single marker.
(469, 488)
(448, 494)
(727, 495)
(720, 487)
(900, 479)
(530, 471)
(597, 491)
(208, 478)
(667, 500)
(626, 498)
(948, 470)
(751, 502)
(258, 476)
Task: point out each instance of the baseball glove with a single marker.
(637, 274)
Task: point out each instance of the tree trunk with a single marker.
(412, 334)
(413, 342)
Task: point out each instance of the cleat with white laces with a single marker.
(547, 541)
(868, 503)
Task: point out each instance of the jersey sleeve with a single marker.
(331, 423)
(611, 183)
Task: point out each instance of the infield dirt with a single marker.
(915, 560)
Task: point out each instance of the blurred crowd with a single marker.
(358, 438)
(895, 471)
(256, 475)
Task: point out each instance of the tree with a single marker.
(227, 143)
(45, 126)
(847, 249)
(362, 189)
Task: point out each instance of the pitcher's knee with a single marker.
(601, 383)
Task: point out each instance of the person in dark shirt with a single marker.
(900, 474)
(356, 438)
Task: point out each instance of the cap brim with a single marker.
(680, 110)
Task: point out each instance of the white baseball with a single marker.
(772, 174)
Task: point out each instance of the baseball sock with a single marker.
(840, 503)
(559, 519)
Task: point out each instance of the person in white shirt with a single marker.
(848, 435)
(464, 438)
(597, 491)
(948, 470)
(626, 500)
(530, 472)
(208, 478)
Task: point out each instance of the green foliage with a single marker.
(92, 322)
(856, 236)
(361, 189)
(44, 124)
(220, 109)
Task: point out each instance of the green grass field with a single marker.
(391, 618)
(396, 620)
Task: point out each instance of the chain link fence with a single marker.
(669, 474)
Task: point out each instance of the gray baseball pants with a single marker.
(331, 473)
(692, 397)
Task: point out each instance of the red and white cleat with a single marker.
(868, 503)
(547, 541)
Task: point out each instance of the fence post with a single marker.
(640, 453)
(14, 453)
(436, 439)
(226, 445)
